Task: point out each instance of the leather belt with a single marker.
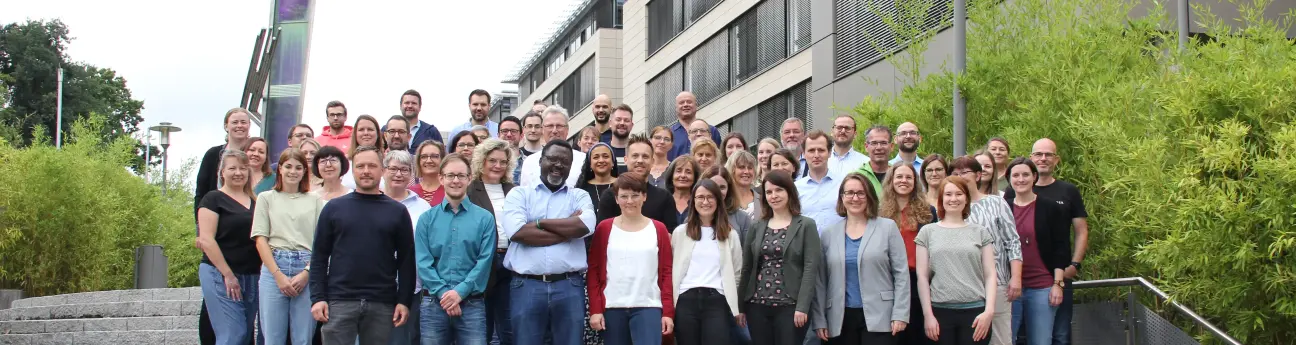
(548, 278)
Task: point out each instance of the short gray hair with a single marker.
(397, 156)
(478, 128)
(795, 119)
(554, 109)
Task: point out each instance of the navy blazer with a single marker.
(426, 132)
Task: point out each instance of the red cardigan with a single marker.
(596, 277)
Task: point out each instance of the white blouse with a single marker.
(632, 269)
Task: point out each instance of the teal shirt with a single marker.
(267, 183)
(453, 248)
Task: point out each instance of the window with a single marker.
(798, 24)
(765, 120)
(862, 37)
(694, 9)
(577, 91)
(759, 38)
(706, 69)
(668, 18)
(617, 9)
(662, 90)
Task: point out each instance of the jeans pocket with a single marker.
(577, 281)
(515, 283)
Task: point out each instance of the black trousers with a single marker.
(915, 333)
(702, 317)
(774, 325)
(956, 326)
(855, 332)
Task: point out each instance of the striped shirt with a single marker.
(993, 213)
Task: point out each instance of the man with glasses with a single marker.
(532, 134)
(908, 138)
(397, 133)
(554, 127)
(792, 136)
(844, 158)
(878, 145)
(337, 134)
(298, 133)
(699, 130)
(398, 174)
(686, 114)
(510, 131)
(419, 131)
(1045, 156)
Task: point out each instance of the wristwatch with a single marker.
(307, 268)
(1076, 264)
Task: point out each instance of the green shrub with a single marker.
(72, 218)
(1187, 161)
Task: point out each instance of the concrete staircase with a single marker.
(123, 317)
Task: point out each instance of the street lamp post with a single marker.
(165, 128)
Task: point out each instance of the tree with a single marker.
(30, 56)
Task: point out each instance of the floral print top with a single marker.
(769, 290)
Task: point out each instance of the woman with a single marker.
(738, 219)
(733, 143)
(662, 142)
(784, 160)
(308, 148)
(481, 133)
(429, 171)
(630, 297)
(705, 153)
(683, 173)
(987, 182)
(236, 126)
(463, 143)
(782, 252)
(262, 178)
(330, 165)
(998, 149)
(366, 134)
(956, 271)
(991, 212)
(743, 167)
(862, 296)
(283, 240)
(1045, 232)
(764, 150)
(902, 203)
(707, 264)
(934, 169)
(492, 179)
(599, 172)
(230, 264)
(588, 136)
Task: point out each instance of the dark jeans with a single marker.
(370, 321)
(1062, 320)
(855, 332)
(774, 325)
(914, 333)
(497, 304)
(632, 326)
(409, 333)
(698, 313)
(956, 326)
(554, 310)
(469, 328)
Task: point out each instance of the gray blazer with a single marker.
(883, 274)
(801, 261)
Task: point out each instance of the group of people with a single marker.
(511, 234)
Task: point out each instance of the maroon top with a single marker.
(432, 197)
(1034, 274)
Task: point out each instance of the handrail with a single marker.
(1139, 281)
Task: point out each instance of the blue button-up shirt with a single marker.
(917, 163)
(491, 126)
(682, 143)
(819, 200)
(533, 202)
(454, 248)
(840, 165)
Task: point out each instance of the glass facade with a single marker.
(287, 71)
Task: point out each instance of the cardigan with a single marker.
(802, 257)
(730, 265)
(596, 276)
(1052, 233)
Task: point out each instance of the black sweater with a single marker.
(208, 175)
(362, 244)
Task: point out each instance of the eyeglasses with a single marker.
(963, 172)
(330, 161)
(532, 126)
(497, 162)
(333, 115)
(706, 198)
(397, 131)
(907, 133)
(553, 126)
(454, 177)
(934, 170)
(879, 143)
(699, 131)
(429, 156)
(843, 128)
(509, 131)
(1048, 155)
(854, 194)
(466, 145)
(399, 171)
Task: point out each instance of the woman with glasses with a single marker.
(428, 159)
(998, 149)
(262, 178)
(738, 219)
(599, 172)
(707, 264)
(732, 143)
(862, 296)
(934, 169)
(782, 254)
(764, 150)
(681, 176)
(956, 270)
(991, 212)
(1045, 230)
(329, 166)
(283, 240)
(230, 265)
(463, 143)
(743, 167)
(492, 179)
(705, 153)
(904, 204)
(662, 142)
(588, 136)
(630, 297)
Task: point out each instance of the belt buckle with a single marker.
(545, 278)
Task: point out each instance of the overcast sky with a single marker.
(187, 60)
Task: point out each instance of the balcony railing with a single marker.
(1132, 323)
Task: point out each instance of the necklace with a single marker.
(598, 191)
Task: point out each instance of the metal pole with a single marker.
(960, 64)
(148, 154)
(58, 117)
(1182, 18)
(164, 170)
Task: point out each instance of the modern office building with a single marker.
(502, 104)
(287, 79)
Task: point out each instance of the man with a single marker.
(538, 106)
(510, 130)
(622, 122)
(844, 158)
(411, 105)
(397, 133)
(818, 189)
(479, 103)
(555, 128)
(908, 138)
(532, 133)
(298, 133)
(602, 108)
(792, 135)
(1045, 156)
(686, 113)
(547, 222)
(698, 130)
(878, 144)
(398, 172)
(659, 205)
(337, 134)
(362, 246)
(455, 244)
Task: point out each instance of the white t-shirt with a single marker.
(496, 193)
(531, 169)
(632, 269)
(704, 265)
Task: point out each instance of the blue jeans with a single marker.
(497, 304)
(1033, 310)
(637, 326)
(279, 313)
(439, 328)
(411, 332)
(232, 321)
(554, 309)
(1062, 320)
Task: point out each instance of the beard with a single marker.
(397, 145)
(619, 135)
(554, 182)
(602, 119)
(904, 147)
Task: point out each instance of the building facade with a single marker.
(502, 105)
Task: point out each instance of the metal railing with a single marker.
(1133, 320)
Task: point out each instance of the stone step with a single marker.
(103, 310)
(172, 337)
(138, 295)
(152, 323)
